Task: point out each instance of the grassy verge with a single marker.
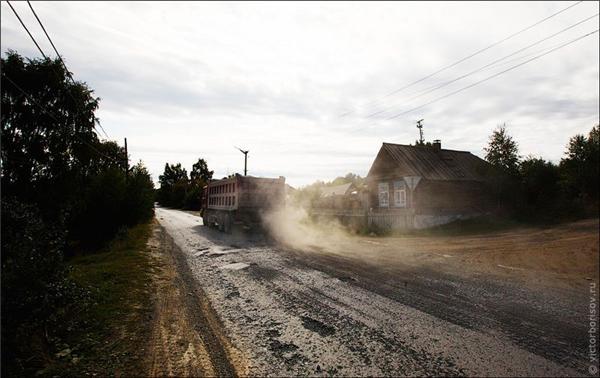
(113, 324)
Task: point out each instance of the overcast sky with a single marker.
(295, 83)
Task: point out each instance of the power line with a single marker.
(27, 30)
(45, 56)
(439, 86)
(60, 58)
(50, 40)
(495, 75)
(468, 57)
(30, 98)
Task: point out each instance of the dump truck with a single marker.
(241, 201)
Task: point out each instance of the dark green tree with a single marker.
(48, 137)
(200, 172)
(502, 151)
(540, 191)
(503, 172)
(139, 195)
(199, 177)
(580, 166)
(60, 186)
(173, 185)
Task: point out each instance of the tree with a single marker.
(176, 190)
(172, 174)
(61, 186)
(502, 151)
(423, 144)
(580, 166)
(539, 189)
(199, 177)
(349, 178)
(139, 195)
(48, 138)
(103, 212)
(173, 185)
(200, 172)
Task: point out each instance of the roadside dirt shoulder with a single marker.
(187, 338)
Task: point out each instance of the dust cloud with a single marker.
(293, 227)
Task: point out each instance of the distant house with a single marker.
(338, 190)
(423, 186)
(340, 197)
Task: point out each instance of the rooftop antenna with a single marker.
(245, 159)
(420, 127)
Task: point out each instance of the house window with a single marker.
(384, 194)
(399, 194)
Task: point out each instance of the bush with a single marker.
(36, 289)
(139, 196)
(539, 189)
(101, 214)
(193, 198)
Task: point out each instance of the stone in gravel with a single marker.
(235, 266)
(317, 326)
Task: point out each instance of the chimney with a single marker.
(437, 144)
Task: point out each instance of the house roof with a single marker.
(338, 190)
(432, 164)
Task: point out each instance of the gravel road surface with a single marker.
(294, 312)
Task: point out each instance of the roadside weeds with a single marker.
(145, 315)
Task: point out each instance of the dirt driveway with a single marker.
(400, 307)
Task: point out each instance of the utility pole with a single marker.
(245, 160)
(126, 160)
(420, 127)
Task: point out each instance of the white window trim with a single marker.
(383, 187)
(399, 194)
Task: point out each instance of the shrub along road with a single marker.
(287, 311)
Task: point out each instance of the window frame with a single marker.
(400, 194)
(383, 188)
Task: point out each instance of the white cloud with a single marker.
(183, 80)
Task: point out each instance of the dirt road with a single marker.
(319, 312)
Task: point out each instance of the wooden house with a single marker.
(424, 186)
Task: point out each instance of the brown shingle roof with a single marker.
(432, 164)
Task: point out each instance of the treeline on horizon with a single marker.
(535, 189)
(64, 192)
(179, 191)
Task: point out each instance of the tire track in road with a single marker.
(445, 297)
(201, 315)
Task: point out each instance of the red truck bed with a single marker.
(240, 200)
